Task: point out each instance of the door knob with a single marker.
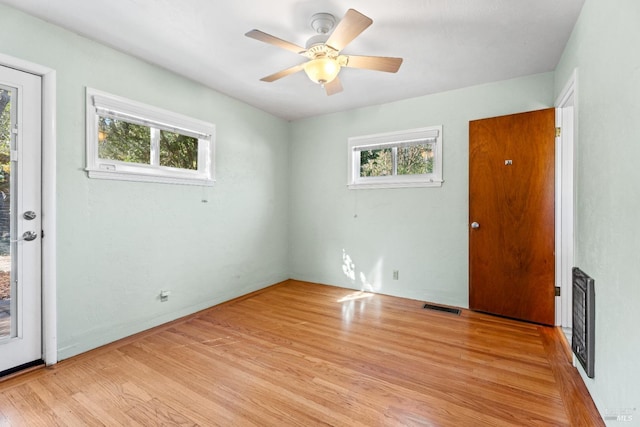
(29, 235)
(475, 225)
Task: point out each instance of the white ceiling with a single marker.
(445, 44)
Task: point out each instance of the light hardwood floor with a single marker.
(305, 354)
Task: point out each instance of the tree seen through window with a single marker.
(129, 142)
(409, 160)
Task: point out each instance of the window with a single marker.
(410, 158)
(127, 140)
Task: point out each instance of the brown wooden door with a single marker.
(511, 198)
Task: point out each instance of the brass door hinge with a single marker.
(558, 132)
(557, 290)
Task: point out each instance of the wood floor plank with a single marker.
(62, 405)
(307, 354)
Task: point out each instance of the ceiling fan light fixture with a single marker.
(322, 70)
(323, 50)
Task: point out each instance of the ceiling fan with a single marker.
(323, 50)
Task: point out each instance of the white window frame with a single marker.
(431, 134)
(107, 105)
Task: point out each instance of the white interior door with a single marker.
(20, 219)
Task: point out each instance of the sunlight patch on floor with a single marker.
(355, 296)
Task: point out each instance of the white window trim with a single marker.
(104, 104)
(394, 139)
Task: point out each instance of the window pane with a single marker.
(5, 215)
(123, 141)
(178, 151)
(415, 159)
(376, 162)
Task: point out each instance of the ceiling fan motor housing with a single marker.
(318, 39)
(322, 23)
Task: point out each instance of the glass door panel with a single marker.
(7, 291)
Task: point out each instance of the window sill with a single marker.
(130, 176)
(378, 185)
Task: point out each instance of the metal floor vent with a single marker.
(455, 311)
(583, 336)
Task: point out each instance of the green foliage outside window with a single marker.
(376, 162)
(410, 160)
(5, 171)
(123, 141)
(178, 151)
(5, 141)
(128, 142)
(415, 160)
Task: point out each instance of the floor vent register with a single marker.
(583, 335)
(440, 308)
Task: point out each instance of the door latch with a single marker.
(29, 235)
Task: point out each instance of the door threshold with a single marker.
(20, 370)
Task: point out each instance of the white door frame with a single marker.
(49, 311)
(567, 121)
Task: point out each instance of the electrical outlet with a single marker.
(164, 296)
(396, 274)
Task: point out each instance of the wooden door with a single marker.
(511, 216)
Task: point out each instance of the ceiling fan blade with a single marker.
(333, 87)
(284, 73)
(378, 63)
(268, 38)
(348, 29)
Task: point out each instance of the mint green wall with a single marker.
(356, 238)
(120, 243)
(604, 47)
